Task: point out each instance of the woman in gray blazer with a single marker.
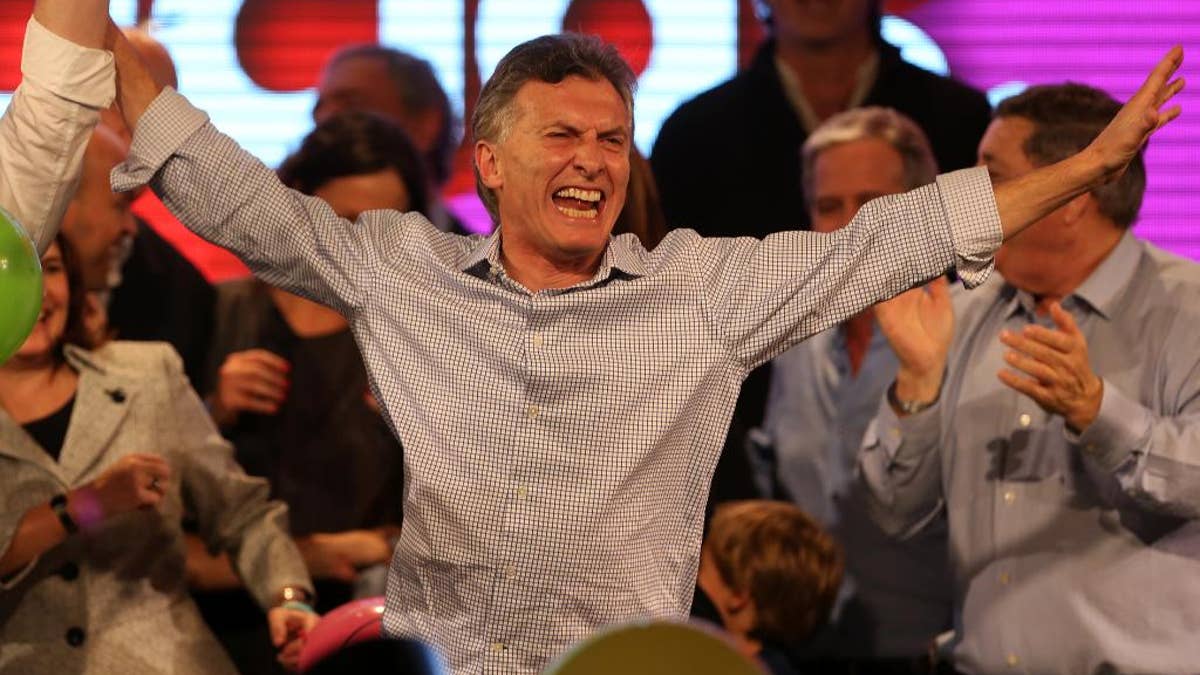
(104, 450)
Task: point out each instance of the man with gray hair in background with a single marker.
(561, 393)
(895, 597)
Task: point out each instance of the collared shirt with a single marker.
(558, 445)
(47, 126)
(895, 596)
(1073, 553)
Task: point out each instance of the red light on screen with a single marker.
(282, 44)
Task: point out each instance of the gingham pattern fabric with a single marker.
(558, 445)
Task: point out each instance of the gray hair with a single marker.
(885, 124)
(552, 59)
(1066, 118)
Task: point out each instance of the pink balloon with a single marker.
(351, 623)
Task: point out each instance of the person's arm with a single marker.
(234, 514)
(67, 79)
(123, 487)
(765, 296)
(899, 462)
(226, 195)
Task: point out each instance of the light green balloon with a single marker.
(20, 285)
(654, 648)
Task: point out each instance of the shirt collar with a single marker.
(1102, 287)
(621, 255)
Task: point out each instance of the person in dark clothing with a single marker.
(727, 162)
(287, 385)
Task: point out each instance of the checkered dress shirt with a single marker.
(558, 445)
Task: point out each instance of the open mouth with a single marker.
(576, 202)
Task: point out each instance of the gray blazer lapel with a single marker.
(14, 442)
(102, 401)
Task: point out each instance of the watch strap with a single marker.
(58, 503)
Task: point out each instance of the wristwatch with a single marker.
(58, 503)
(907, 407)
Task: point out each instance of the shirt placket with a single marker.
(523, 504)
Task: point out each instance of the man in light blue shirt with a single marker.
(825, 390)
(1054, 415)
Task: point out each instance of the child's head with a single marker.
(771, 571)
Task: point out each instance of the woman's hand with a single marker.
(254, 380)
(136, 481)
(289, 629)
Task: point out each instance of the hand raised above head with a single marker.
(1144, 113)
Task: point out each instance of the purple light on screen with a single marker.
(1110, 44)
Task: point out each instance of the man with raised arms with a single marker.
(562, 394)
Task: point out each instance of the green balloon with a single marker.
(654, 648)
(20, 285)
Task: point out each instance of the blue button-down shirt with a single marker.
(558, 445)
(1073, 554)
(898, 591)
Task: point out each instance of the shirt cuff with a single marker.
(78, 74)
(161, 129)
(970, 206)
(1120, 428)
(891, 432)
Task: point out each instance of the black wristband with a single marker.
(59, 504)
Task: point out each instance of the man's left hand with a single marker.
(289, 629)
(1055, 368)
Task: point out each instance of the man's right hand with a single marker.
(919, 325)
(136, 481)
(254, 381)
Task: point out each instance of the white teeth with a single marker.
(576, 213)
(580, 194)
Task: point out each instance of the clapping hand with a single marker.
(919, 325)
(1054, 369)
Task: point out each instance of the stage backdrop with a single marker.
(251, 63)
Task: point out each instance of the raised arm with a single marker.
(1024, 200)
(80, 21)
(67, 79)
(228, 196)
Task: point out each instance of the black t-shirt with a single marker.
(51, 431)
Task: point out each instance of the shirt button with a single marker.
(75, 636)
(1010, 497)
(522, 492)
(1024, 420)
(533, 412)
(1004, 578)
(537, 339)
(498, 647)
(1012, 660)
(69, 571)
(510, 571)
